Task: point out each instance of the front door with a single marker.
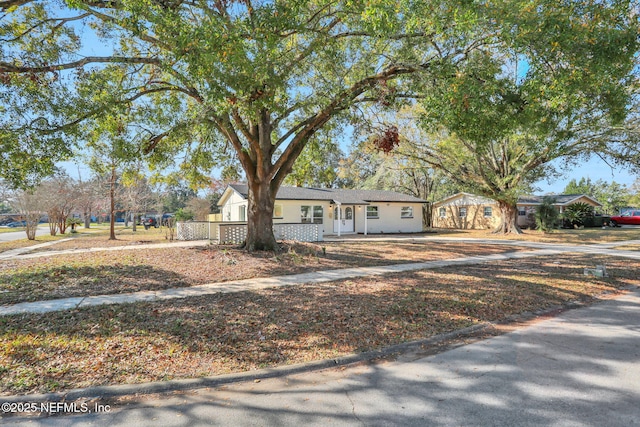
(346, 219)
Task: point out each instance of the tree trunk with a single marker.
(112, 197)
(31, 225)
(87, 219)
(509, 219)
(53, 222)
(260, 218)
(62, 223)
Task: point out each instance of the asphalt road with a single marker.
(579, 369)
(21, 234)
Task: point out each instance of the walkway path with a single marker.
(306, 278)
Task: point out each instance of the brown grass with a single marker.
(100, 273)
(225, 333)
(569, 236)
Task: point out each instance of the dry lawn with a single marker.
(224, 333)
(568, 236)
(100, 273)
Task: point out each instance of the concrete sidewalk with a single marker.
(290, 280)
(579, 369)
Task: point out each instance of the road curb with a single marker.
(113, 391)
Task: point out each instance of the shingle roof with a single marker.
(560, 199)
(347, 197)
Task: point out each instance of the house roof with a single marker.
(336, 195)
(474, 197)
(560, 199)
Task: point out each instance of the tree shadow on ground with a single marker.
(580, 369)
(242, 331)
(64, 282)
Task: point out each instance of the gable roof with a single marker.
(560, 199)
(464, 197)
(334, 195)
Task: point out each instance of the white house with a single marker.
(339, 211)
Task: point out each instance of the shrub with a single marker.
(577, 213)
(547, 216)
(184, 215)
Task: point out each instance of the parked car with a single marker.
(149, 222)
(17, 224)
(627, 218)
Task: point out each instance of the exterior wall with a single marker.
(389, 215)
(389, 218)
(474, 219)
(231, 208)
(291, 213)
(526, 220)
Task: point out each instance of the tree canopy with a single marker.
(562, 85)
(260, 78)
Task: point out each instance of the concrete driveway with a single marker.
(579, 369)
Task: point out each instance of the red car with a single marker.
(627, 218)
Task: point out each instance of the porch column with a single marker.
(365, 220)
(339, 205)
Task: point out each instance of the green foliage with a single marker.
(634, 191)
(175, 196)
(318, 164)
(184, 215)
(498, 119)
(74, 221)
(577, 213)
(207, 84)
(611, 195)
(547, 216)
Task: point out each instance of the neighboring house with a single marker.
(339, 211)
(469, 211)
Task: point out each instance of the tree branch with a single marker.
(10, 68)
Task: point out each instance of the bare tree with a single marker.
(58, 196)
(88, 199)
(136, 194)
(30, 207)
(201, 208)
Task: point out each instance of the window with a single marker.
(488, 211)
(443, 212)
(462, 212)
(522, 212)
(242, 213)
(406, 212)
(277, 211)
(317, 214)
(348, 213)
(305, 214)
(311, 214)
(372, 212)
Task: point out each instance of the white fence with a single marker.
(236, 232)
(299, 232)
(192, 230)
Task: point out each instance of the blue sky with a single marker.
(595, 169)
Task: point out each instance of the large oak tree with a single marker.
(261, 78)
(565, 87)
